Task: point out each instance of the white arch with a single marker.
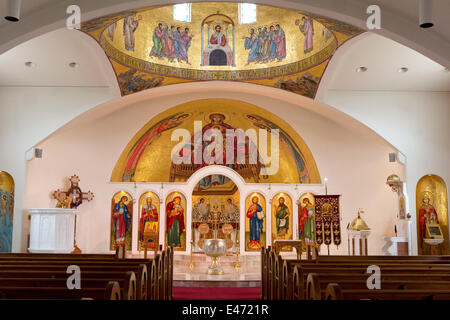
(215, 169)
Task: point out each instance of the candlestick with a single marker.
(237, 265)
(191, 264)
(76, 250)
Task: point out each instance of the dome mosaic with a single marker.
(281, 48)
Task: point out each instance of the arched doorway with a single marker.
(217, 58)
(215, 211)
(432, 212)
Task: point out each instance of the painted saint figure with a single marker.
(251, 43)
(256, 215)
(157, 42)
(130, 24)
(149, 218)
(200, 211)
(175, 222)
(230, 212)
(176, 42)
(282, 218)
(171, 43)
(306, 223)
(122, 221)
(3, 201)
(265, 54)
(183, 47)
(307, 28)
(280, 42)
(273, 47)
(111, 29)
(151, 135)
(267, 45)
(285, 138)
(427, 215)
(168, 48)
(6, 211)
(218, 37)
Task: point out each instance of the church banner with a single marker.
(327, 215)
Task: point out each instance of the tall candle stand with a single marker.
(76, 250)
(237, 265)
(191, 264)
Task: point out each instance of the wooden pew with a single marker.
(334, 292)
(139, 269)
(39, 262)
(38, 276)
(153, 283)
(282, 280)
(273, 279)
(163, 275)
(396, 258)
(110, 292)
(270, 274)
(264, 254)
(395, 276)
(316, 284)
(84, 256)
(170, 253)
(286, 278)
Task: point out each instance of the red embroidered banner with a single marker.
(328, 221)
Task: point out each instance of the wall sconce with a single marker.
(394, 182)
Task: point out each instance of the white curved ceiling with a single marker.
(383, 58)
(52, 53)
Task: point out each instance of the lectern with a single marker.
(52, 230)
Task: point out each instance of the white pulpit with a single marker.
(52, 230)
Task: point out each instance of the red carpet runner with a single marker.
(216, 293)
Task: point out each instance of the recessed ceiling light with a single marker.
(12, 19)
(74, 65)
(30, 64)
(402, 70)
(361, 69)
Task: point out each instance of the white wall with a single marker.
(416, 123)
(351, 156)
(28, 115)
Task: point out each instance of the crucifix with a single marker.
(74, 192)
(72, 198)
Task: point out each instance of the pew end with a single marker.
(112, 291)
(333, 292)
(313, 287)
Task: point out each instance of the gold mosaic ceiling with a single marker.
(284, 48)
